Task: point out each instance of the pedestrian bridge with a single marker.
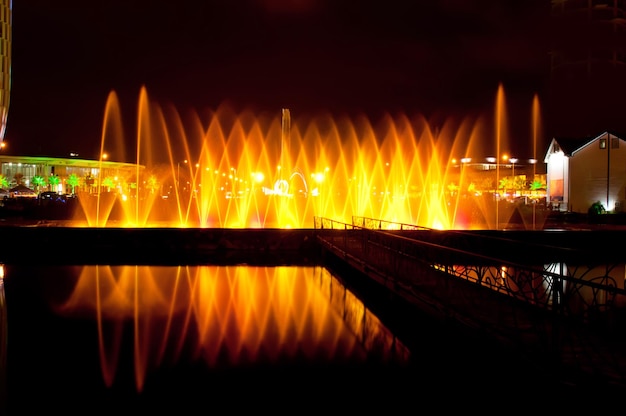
(557, 297)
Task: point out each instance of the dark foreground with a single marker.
(452, 368)
(53, 368)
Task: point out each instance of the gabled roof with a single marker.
(569, 145)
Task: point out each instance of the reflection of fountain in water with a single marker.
(226, 317)
(3, 343)
(240, 170)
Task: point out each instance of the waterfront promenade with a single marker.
(555, 298)
(572, 354)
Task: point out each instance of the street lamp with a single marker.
(513, 160)
(534, 163)
(319, 178)
(464, 161)
(233, 183)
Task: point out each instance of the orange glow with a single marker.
(231, 315)
(248, 171)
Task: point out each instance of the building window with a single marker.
(614, 143)
(602, 143)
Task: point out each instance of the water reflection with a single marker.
(3, 342)
(151, 319)
(104, 339)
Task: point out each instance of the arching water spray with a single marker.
(224, 169)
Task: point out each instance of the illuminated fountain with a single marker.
(245, 170)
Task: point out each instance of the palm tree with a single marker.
(38, 181)
(536, 185)
(53, 181)
(109, 183)
(4, 182)
(73, 181)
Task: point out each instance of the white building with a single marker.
(581, 172)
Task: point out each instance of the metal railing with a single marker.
(575, 290)
(556, 305)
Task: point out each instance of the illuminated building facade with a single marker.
(581, 172)
(22, 170)
(587, 67)
(5, 62)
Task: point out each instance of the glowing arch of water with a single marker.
(220, 169)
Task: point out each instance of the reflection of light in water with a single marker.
(3, 340)
(226, 316)
(548, 283)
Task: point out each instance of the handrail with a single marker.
(594, 286)
(557, 314)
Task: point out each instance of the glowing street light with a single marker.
(534, 163)
(464, 161)
(233, 182)
(258, 177)
(319, 177)
(513, 161)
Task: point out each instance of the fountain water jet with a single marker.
(245, 170)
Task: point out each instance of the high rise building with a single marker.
(588, 68)
(5, 63)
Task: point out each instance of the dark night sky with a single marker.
(442, 57)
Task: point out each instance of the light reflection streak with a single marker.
(3, 341)
(225, 316)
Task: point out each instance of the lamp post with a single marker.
(513, 160)
(257, 179)
(234, 182)
(464, 161)
(319, 178)
(534, 163)
(493, 160)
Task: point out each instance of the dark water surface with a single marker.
(217, 339)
